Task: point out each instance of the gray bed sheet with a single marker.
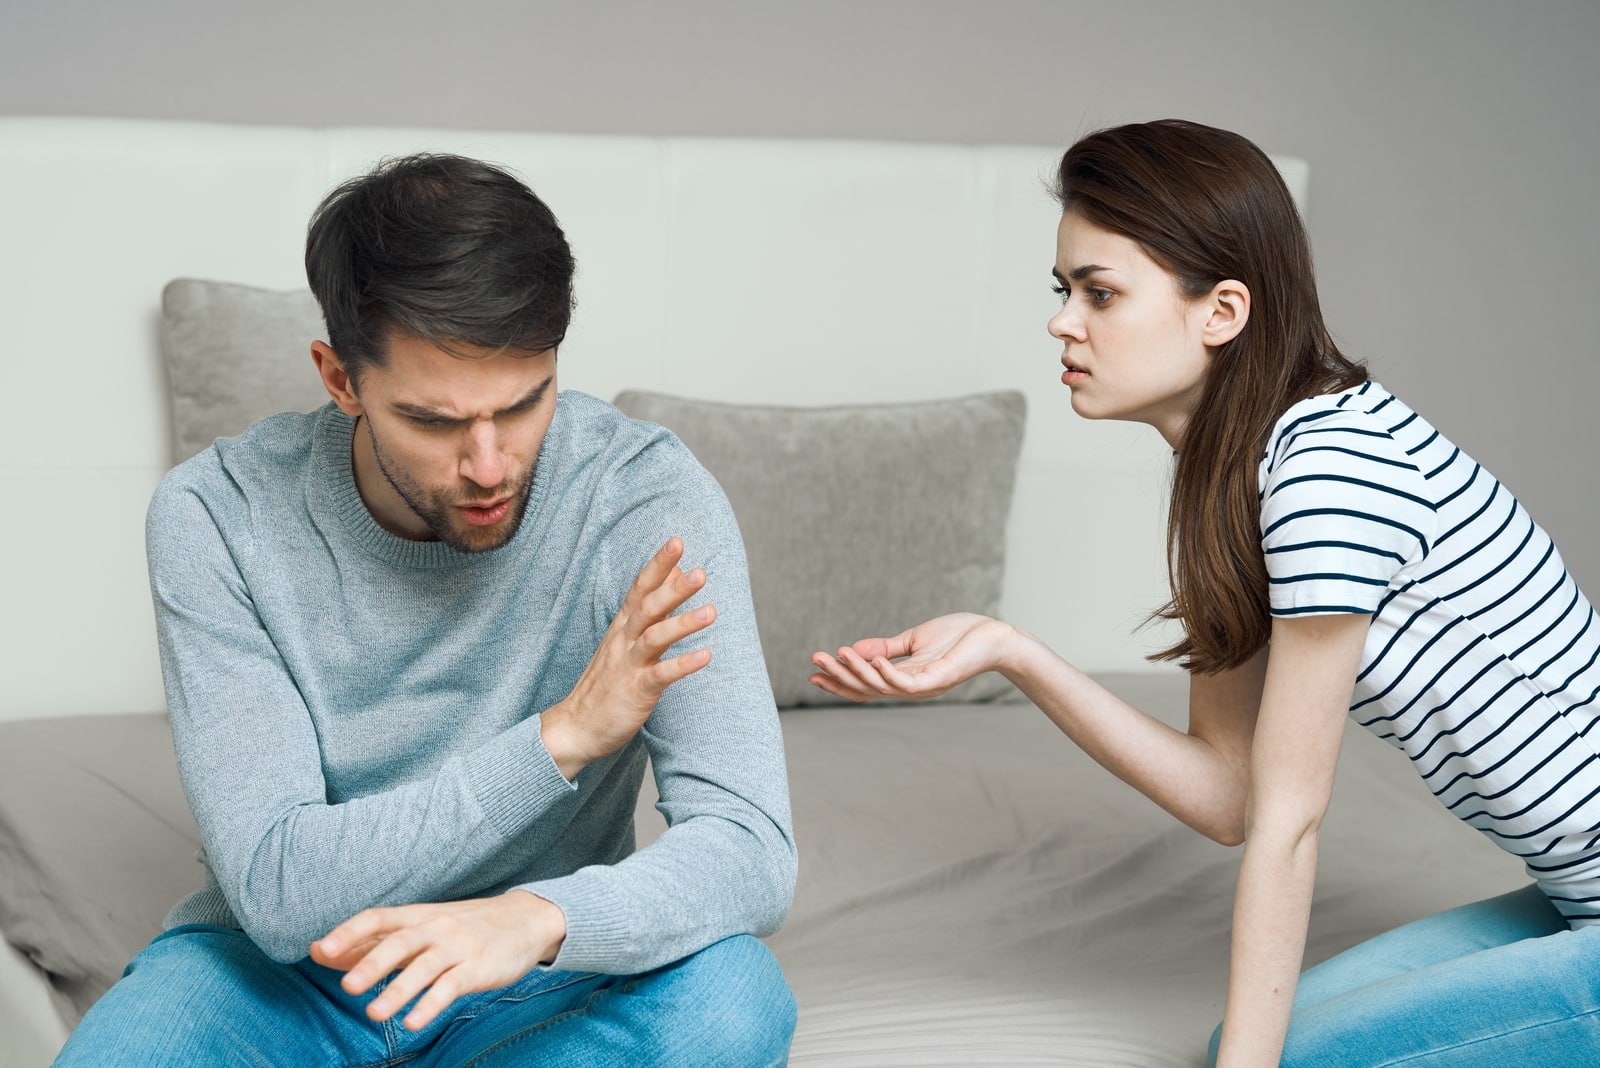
(973, 889)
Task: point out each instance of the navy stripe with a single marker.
(1426, 442)
(1529, 808)
(1516, 587)
(1351, 452)
(1531, 772)
(1368, 517)
(1427, 645)
(1473, 518)
(1347, 480)
(1467, 555)
(1313, 576)
(1446, 501)
(1551, 592)
(1427, 688)
(1481, 709)
(1444, 465)
(1399, 633)
(1327, 609)
(1505, 724)
(1582, 670)
(1582, 858)
(1567, 648)
(1352, 546)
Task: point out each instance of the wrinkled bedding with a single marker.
(973, 890)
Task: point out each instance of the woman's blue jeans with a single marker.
(1498, 983)
(202, 996)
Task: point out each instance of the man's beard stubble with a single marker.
(439, 517)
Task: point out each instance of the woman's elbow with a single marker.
(1226, 824)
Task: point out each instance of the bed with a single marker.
(973, 890)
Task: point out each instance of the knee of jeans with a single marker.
(752, 1019)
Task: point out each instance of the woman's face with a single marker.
(1134, 344)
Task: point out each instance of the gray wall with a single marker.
(1453, 143)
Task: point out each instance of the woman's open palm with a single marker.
(925, 661)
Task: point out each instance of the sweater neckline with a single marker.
(336, 477)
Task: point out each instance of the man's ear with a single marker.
(335, 378)
(1228, 309)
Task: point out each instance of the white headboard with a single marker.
(784, 272)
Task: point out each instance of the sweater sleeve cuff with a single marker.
(599, 925)
(515, 779)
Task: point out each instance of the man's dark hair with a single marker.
(444, 248)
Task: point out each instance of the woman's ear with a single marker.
(1227, 310)
(335, 379)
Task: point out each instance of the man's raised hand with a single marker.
(627, 675)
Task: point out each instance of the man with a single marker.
(417, 646)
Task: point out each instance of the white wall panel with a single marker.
(768, 272)
(820, 272)
(97, 216)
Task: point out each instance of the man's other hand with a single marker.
(447, 949)
(626, 676)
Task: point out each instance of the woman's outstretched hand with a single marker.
(923, 662)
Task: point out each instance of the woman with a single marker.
(1329, 554)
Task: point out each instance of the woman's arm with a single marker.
(1200, 776)
(1309, 678)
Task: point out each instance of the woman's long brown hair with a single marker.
(1209, 205)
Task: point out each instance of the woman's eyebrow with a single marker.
(1078, 274)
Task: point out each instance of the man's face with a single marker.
(447, 445)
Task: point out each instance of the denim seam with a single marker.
(1487, 1038)
(581, 1010)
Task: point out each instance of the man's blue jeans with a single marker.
(1498, 983)
(201, 996)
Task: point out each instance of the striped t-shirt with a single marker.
(1481, 662)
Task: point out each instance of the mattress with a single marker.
(973, 890)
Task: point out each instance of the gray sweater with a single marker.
(357, 715)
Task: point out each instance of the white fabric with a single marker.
(1481, 661)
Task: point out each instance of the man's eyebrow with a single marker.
(1078, 274)
(423, 411)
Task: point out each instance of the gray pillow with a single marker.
(236, 354)
(96, 845)
(858, 521)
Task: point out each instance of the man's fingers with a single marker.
(346, 958)
(659, 638)
(659, 603)
(657, 568)
(416, 977)
(388, 955)
(364, 927)
(683, 665)
(445, 989)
